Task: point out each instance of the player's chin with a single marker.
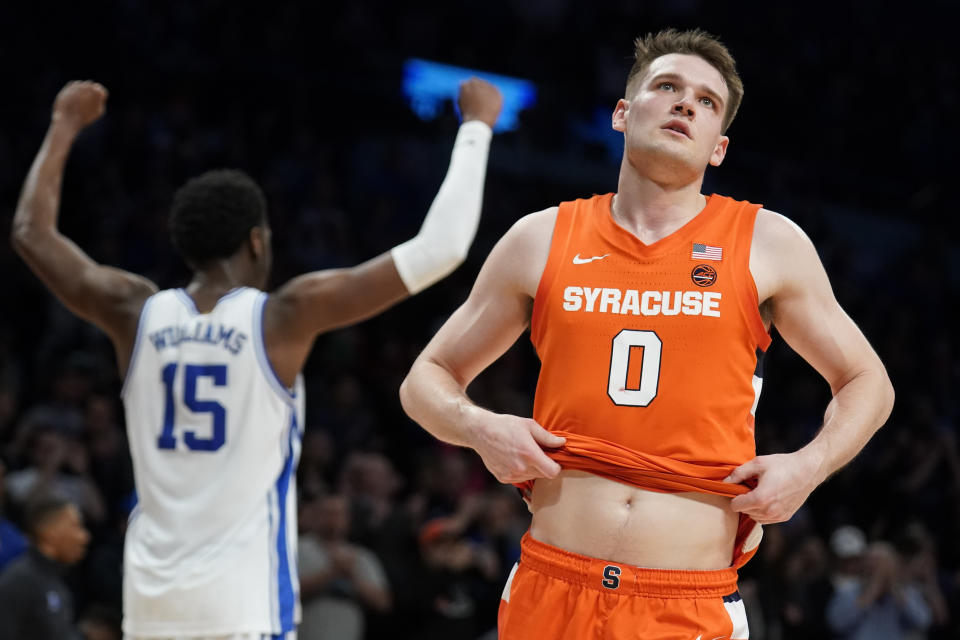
(663, 156)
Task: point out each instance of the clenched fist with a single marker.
(479, 100)
(79, 103)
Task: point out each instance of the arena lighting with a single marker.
(426, 85)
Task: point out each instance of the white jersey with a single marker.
(215, 440)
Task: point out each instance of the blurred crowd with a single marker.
(402, 537)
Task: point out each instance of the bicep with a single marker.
(495, 314)
(324, 300)
(108, 297)
(321, 301)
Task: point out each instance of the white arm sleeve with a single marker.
(442, 243)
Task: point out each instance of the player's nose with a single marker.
(684, 108)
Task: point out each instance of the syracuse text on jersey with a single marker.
(204, 332)
(647, 303)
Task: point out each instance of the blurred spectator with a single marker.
(458, 576)
(58, 463)
(12, 541)
(371, 483)
(99, 622)
(848, 544)
(920, 569)
(316, 464)
(807, 592)
(880, 604)
(338, 580)
(110, 466)
(9, 388)
(35, 603)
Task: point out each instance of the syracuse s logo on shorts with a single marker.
(611, 577)
(703, 275)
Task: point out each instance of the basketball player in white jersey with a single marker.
(213, 393)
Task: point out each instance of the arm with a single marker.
(109, 298)
(915, 612)
(843, 611)
(792, 280)
(315, 583)
(347, 563)
(480, 331)
(325, 300)
(370, 581)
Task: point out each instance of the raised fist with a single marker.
(79, 103)
(479, 100)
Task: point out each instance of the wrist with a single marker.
(477, 425)
(815, 459)
(64, 124)
(476, 128)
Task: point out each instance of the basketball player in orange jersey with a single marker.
(650, 309)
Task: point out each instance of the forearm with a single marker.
(915, 612)
(39, 202)
(373, 595)
(858, 408)
(435, 399)
(313, 584)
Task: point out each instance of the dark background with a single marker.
(848, 127)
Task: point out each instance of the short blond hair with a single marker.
(694, 42)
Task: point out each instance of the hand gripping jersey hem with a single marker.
(617, 463)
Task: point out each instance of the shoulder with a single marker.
(776, 230)
(534, 227)
(519, 258)
(781, 253)
(19, 577)
(530, 235)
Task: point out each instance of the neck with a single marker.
(213, 281)
(652, 210)
(217, 278)
(47, 551)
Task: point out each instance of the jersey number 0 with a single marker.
(617, 387)
(218, 415)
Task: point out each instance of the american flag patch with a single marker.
(706, 252)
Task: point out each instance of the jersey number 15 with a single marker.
(191, 373)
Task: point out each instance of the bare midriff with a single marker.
(593, 516)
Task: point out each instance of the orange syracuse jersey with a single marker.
(651, 354)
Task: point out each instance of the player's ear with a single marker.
(719, 151)
(619, 120)
(258, 242)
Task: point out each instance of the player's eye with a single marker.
(666, 86)
(707, 102)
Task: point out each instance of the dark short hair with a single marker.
(695, 42)
(213, 213)
(39, 509)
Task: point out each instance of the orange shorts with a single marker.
(553, 594)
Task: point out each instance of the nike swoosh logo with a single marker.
(578, 260)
